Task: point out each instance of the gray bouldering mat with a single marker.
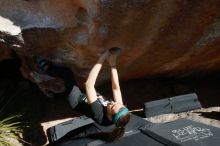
(137, 139)
(184, 132)
(58, 131)
(174, 104)
(133, 127)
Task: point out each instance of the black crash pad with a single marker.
(174, 104)
(136, 139)
(184, 132)
(133, 126)
(58, 131)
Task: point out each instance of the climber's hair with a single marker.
(117, 132)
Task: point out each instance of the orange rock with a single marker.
(157, 37)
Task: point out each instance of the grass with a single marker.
(11, 125)
(10, 131)
(21, 104)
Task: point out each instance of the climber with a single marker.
(101, 110)
(114, 112)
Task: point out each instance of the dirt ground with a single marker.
(41, 112)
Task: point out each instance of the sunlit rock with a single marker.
(157, 37)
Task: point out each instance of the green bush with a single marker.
(11, 127)
(10, 131)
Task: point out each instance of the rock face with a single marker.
(157, 37)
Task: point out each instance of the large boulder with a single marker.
(157, 37)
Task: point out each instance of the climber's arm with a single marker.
(115, 85)
(90, 82)
(114, 75)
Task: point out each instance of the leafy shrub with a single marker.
(10, 131)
